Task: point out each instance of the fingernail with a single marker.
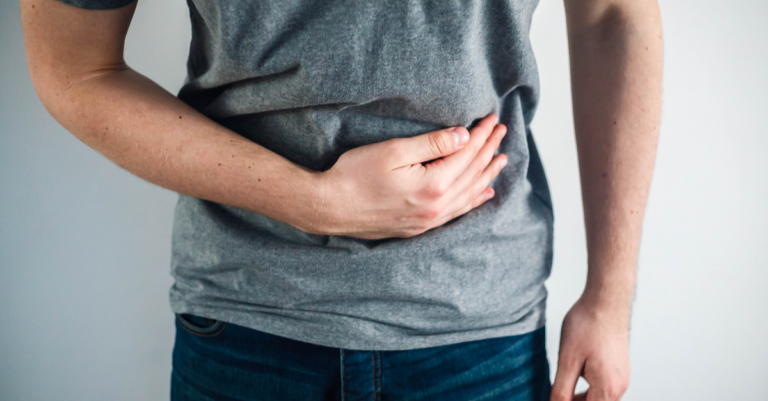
(460, 135)
(504, 162)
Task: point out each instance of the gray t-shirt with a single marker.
(310, 80)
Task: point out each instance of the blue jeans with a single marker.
(214, 360)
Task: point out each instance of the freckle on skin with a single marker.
(259, 179)
(605, 175)
(179, 117)
(614, 123)
(219, 164)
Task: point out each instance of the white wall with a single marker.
(700, 325)
(85, 246)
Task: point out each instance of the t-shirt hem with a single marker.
(534, 320)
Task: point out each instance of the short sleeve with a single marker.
(98, 4)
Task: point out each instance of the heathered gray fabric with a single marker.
(310, 80)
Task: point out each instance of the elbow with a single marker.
(47, 88)
(61, 90)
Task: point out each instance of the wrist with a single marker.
(610, 284)
(316, 210)
(596, 300)
(613, 310)
(609, 299)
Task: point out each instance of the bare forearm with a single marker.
(75, 59)
(152, 134)
(616, 71)
(379, 190)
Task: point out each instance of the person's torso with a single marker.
(310, 80)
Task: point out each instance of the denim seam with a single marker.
(378, 360)
(373, 375)
(342, 376)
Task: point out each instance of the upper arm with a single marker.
(65, 44)
(582, 15)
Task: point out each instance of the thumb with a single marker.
(430, 146)
(565, 380)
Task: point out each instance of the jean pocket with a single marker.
(200, 326)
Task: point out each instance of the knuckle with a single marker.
(469, 196)
(431, 213)
(484, 181)
(435, 190)
(623, 386)
(560, 396)
(569, 362)
(475, 147)
(438, 143)
(614, 390)
(478, 170)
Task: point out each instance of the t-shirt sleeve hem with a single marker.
(98, 4)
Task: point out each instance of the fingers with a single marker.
(478, 200)
(483, 197)
(435, 180)
(604, 386)
(478, 191)
(445, 171)
(568, 372)
(483, 169)
(599, 390)
(426, 147)
(491, 171)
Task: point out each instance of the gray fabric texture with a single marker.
(310, 80)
